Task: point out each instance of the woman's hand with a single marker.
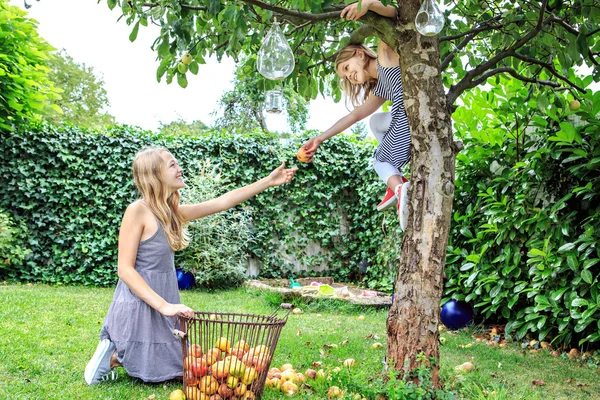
(171, 310)
(352, 13)
(280, 175)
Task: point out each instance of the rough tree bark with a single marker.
(412, 322)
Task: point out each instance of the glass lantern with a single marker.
(430, 19)
(275, 61)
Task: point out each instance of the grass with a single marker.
(49, 333)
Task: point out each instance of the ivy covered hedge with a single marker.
(70, 187)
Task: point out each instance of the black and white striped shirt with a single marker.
(395, 146)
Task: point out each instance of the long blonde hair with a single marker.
(356, 93)
(147, 175)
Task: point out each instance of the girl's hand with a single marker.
(352, 13)
(280, 175)
(311, 146)
(171, 310)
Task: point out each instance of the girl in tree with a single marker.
(137, 331)
(369, 79)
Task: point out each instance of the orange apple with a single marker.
(237, 353)
(241, 344)
(289, 388)
(335, 392)
(302, 155)
(249, 395)
(216, 354)
(197, 366)
(223, 344)
(194, 351)
(240, 390)
(285, 367)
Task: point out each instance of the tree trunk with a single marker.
(412, 323)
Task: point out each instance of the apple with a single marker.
(237, 353)
(197, 366)
(376, 345)
(225, 391)
(215, 353)
(289, 388)
(285, 367)
(443, 340)
(360, 318)
(574, 105)
(249, 395)
(182, 68)
(288, 375)
(250, 375)
(321, 374)
(300, 378)
(194, 351)
(192, 393)
(220, 369)
(215, 397)
(232, 382)
(240, 390)
(274, 383)
(177, 395)
(311, 373)
(237, 369)
(223, 344)
(297, 311)
(186, 59)
(241, 344)
(334, 392)
(208, 385)
(302, 155)
(190, 379)
(350, 362)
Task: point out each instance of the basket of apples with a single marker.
(227, 355)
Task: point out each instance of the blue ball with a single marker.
(185, 280)
(456, 314)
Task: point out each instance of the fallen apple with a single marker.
(360, 317)
(376, 345)
(177, 395)
(335, 392)
(350, 362)
(296, 311)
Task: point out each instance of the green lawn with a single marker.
(47, 335)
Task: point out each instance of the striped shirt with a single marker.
(395, 146)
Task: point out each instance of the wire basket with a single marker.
(228, 354)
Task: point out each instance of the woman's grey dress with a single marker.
(143, 337)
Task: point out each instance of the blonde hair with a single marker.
(356, 93)
(147, 175)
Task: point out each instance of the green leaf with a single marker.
(586, 275)
(134, 32)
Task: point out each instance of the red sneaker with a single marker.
(388, 200)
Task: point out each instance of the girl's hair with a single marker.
(147, 175)
(357, 94)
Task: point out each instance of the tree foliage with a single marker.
(26, 90)
(243, 106)
(534, 41)
(181, 127)
(83, 98)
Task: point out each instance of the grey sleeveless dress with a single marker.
(143, 337)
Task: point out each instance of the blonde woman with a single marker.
(137, 331)
(368, 80)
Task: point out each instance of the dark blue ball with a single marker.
(456, 314)
(185, 280)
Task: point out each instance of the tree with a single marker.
(179, 126)
(538, 42)
(83, 96)
(243, 107)
(26, 91)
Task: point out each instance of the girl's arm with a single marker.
(352, 13)
(132, 227)
(359, 113)
(278, 177)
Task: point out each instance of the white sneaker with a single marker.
(403, 205)
(98, 368)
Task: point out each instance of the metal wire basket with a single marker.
(227, 355)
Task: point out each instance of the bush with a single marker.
(218, 249)
(12, 251)
(524, 239)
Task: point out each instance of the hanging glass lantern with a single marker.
(430, 19)
(275, 62)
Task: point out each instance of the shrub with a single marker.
(218, 250)
(12, 245)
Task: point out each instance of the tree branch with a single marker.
(514, 74)
(548, 66)
(335, 14)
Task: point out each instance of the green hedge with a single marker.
(70, 187)
(524, 242)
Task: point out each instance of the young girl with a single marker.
(370, 79)
(137, 331)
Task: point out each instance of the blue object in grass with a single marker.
(185, 280)
(294, 284)
(456, 314)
